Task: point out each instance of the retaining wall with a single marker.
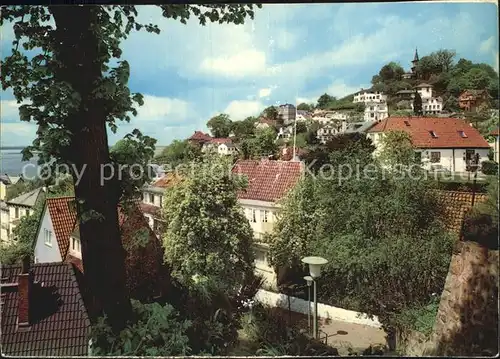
(324, 311)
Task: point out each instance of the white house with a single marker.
(54, 231)
(327, 131)
(223, 146)
(152, 200)
(324, 117)
(494, 145)
(375, 111)
(15, 209)
(447, 143)
(430, 105)
(369, 96)
(303, 116)
(268, 182)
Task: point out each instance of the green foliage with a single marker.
(271, 113)
(244, 129)
(358, 222)
(489, 168)
(396, 149)
(208, 239)
(23, 186)
(156, 330)
(272, 335)
(420, 318)
(417, 104)
(264, 144)
(324, 100)
(220, 125)
(178, 152)
(305, 107)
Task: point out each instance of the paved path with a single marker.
(342, 335)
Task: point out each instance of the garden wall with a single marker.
(324, 311)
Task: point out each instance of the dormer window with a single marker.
(462, 134)
(433, 134)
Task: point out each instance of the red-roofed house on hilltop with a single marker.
(447, 143)
(268, 182)
(474, 100)
(58, 240)
(199, 138)
(43, 312)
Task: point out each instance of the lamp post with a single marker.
(315, 264)
(309, 282)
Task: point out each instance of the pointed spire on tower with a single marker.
(416, 59)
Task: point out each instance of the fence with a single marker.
(324, 311)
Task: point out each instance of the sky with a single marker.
(290, 53)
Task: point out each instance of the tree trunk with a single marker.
(77, 46)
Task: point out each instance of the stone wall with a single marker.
(467, 319)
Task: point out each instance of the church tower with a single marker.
(415, 63)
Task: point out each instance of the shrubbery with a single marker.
(489, 168)
(387, 248)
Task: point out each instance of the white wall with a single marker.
(43, 252)
(324, 311)
(370, 97)
(458, 154)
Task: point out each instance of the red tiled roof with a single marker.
(200, 136)
(168, 180)
(447, 130)
(63, 216)
(267, 180)
(221, 140)
(77, 262)
(267, 121)
(455, 205)
(60, 325)
(494, 132)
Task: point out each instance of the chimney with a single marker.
(24, 284)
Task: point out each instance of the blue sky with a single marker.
(287, 54)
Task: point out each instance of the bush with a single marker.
(489, 168)
(418, 318)
(156, 331)
(273, 335)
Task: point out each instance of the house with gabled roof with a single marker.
(448, 143)
(17, 208)
(473, 100)
(43, 312)
(268, 182)
(199, 138)
(58, 240)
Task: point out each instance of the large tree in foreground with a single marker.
(69, 90)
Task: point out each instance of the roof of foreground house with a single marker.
(63, 216)
(448, 131)
(28, 199)
(268, 180)
(60, 325)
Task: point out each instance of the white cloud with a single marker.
(245, 63)
(167, 110)
(339, 89)
(9, 109)
(241, 109)
(487, 45)
(265, 92)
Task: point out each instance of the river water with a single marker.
(11, 163)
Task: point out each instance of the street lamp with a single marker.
(309, 281)
(315, 264)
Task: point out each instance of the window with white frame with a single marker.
(16, 212)
(47, 237)
(151, 198)
(265, 217)
(254, 216)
